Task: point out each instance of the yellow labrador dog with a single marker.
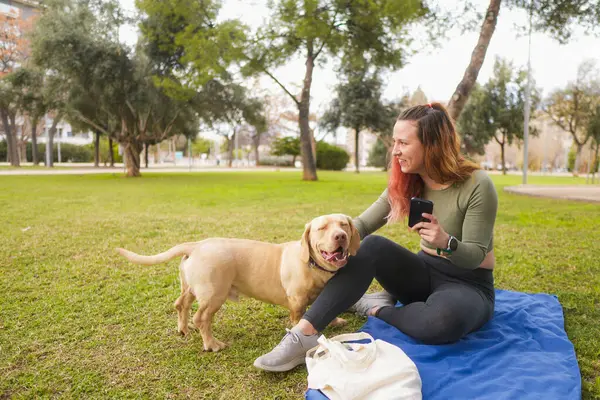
(289, 274)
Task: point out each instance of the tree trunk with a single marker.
(230, 151)
(356, 153)
(50, 143)
(50, 148)
(578, 159)
(309, 164)
(97, 149)
(590, 165)
(594, 168)
(11, 143)
(463, 90)
(256, 144)
(34, 153)
(502, 157)
(146, 154)
(111, 155)
(132, 159)
(23, 150)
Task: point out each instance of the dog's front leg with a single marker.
(297, 306)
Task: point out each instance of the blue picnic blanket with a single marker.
(522, 353)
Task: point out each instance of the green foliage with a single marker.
(472, 127)
(189, 44)
(104, 154)
(378, 156)
(572, 156)
(201, 145)
(358, 104)
(560, 19)
(593, 128)
(102, 83)
(356, 31)
(496, 110)
(3, 150)
(330, 157)
(286, 146)
(68, 153)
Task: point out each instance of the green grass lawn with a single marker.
(78, 321)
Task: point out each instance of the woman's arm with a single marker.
(478, 226)
(373, 217)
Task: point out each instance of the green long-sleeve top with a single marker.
(465, 210)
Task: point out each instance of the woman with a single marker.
(447, 288)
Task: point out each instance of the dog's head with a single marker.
(329, 239)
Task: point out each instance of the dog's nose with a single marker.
(340, 236)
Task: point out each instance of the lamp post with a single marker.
(527, 104)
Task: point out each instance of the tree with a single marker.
(228, 106)
(556, 18)
(29, 83)
(14, 47)
(472, 124)
(286, 146)
(594, 133)
(571, 108)
(71, 44)
(315, 29)
(495, 111)
(357, 106)
(378, 156)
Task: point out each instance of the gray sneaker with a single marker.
(368, 301)
(289, 353)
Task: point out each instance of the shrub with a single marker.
(331, 157)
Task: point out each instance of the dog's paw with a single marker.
(338, 322)
(214, 345)
(184, 331)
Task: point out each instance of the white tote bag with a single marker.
(376, 370)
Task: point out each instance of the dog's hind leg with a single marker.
(208, 304)
(184, 303)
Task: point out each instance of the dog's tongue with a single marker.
(336, 256)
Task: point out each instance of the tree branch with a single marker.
(501, 143)
(92, 123)
(281, 85)
(333, 26)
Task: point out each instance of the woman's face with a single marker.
(408, 150)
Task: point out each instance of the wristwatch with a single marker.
(452, 246)
(452, 243)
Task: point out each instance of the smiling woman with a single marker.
(447, 288)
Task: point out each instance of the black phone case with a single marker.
(417, 207)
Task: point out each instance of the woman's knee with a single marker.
(441, 328)
(372, 245)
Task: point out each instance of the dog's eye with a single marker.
(343, 224)
(322, 228)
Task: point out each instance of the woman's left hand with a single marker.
(432, 232)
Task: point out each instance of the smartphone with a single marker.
(417, 208)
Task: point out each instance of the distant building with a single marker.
(19, 8)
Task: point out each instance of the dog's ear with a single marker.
(355, 239)
(305, 244)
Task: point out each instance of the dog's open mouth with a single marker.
(337, 258)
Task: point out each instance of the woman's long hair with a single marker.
(443, 161)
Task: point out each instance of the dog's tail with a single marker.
(179, 250)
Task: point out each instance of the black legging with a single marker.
(442, 302)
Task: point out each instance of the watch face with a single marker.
(453, 244)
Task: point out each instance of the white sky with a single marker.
(436, 70)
